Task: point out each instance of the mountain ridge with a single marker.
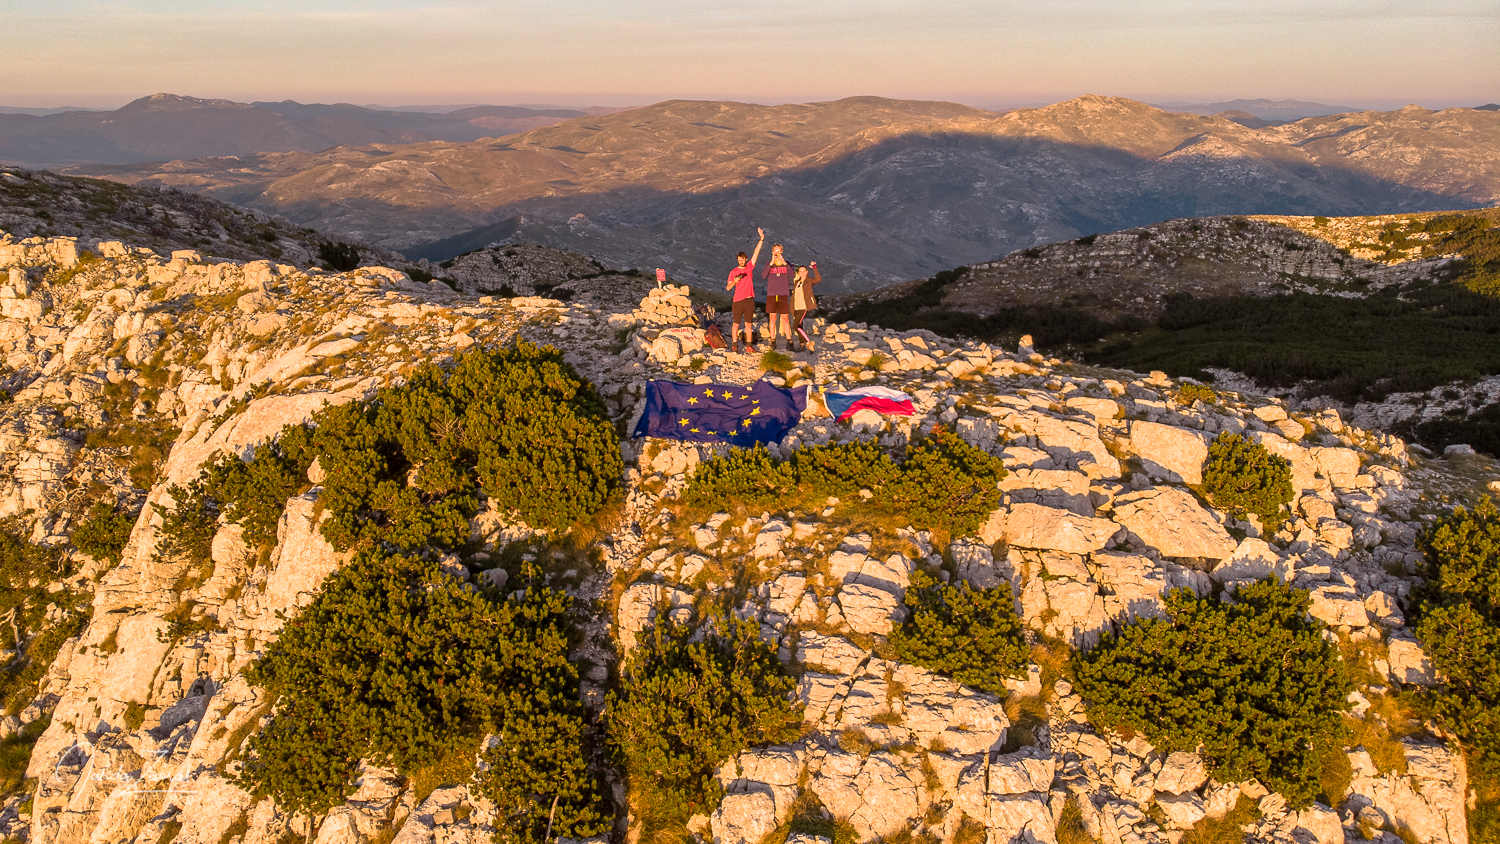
(876, 189)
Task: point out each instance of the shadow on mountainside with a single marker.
(914, 205)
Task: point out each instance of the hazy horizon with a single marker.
(440, 105)
(91, 54)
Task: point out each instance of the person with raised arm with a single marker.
(742, 282)
(802, 302)
(778, 276)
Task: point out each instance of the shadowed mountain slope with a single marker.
(876, 190)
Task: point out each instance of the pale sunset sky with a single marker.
(988, 53)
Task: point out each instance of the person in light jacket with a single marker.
(804, 301)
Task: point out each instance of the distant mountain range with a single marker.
(1281, 110)
(876, 190)
(167, 126)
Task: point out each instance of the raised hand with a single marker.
(761, 232)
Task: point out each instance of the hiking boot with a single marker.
(734, 347)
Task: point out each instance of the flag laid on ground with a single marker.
(880, 399)
(720, 413)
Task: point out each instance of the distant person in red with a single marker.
(803, 301)
(778, 276)
(742, 282)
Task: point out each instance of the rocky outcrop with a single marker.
(1095, 527)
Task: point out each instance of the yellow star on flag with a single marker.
(755, 412)
(693, 400)
(682, 421)
(694, 430)
(728, 395)
(746, 423)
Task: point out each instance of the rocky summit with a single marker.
(128, 372)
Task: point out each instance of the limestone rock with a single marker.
(1172, 521)
(1181, 772)
(1049, 528)
(1172, 454)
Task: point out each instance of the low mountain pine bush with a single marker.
(685, 703)
(408, 467)
(1241, 476)
(1460, 628)
(397, 662)
(1253, 683)
(971, 635)
(946, 484)
(103, 532)
(750, 477)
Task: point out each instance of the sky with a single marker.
(987, 53)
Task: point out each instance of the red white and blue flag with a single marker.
(879, 399)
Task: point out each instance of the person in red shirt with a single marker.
(742, 282)
(778, 276)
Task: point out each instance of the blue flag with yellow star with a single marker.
(720, 413)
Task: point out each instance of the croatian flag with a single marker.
(879, 399)
(720, 413)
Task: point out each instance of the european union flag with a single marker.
(720, 413)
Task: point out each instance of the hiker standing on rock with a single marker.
(802, 302)
(778, 276)
(742, 282)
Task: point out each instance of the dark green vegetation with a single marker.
(408, 468)
(1241, 476)
(971, 635)
(1394, 340)
(396, 660)
(683, 706)
(26, 570)
(1460, 632)
(338, 256)
(15, 756)
(943, 484)
(104, 531)
(1051, 326)
(1253, 682)
(399, 662)
(1480, 428)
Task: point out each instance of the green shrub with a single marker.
(946, 484)
(516, 424)
(338, 256)
(187, 530)
(1253, 682)
(26, 571)
(253, 493)
(15, 756)
(397, 662)
(1460, 628)
(1351, 348)
(971, 635)
(749, 477)
(841, 470)
(104, 532)
(1480, 429)
(408, 467)
(1189, 393)
(1241, 476)
(685, 704)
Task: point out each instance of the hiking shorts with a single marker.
(744, 310)
(778, 304)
